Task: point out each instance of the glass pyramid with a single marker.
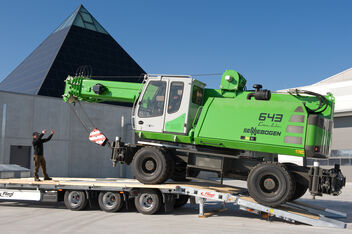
(82, 18)
(79, 40)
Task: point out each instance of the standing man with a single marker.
(38, 156)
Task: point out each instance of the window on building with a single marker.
(341, 153)
(152, 104)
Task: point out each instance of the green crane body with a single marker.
(183, 128)
(229, 120)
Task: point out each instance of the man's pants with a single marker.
(39, 161)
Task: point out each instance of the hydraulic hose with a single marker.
(323, 102)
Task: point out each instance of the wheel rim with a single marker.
(75, 199)
(149, 166)
(269, 184)
(109, 200)
(146, 202)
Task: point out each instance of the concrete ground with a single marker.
(55, 218)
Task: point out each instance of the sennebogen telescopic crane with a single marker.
(256, 135)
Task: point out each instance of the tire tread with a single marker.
(291, 184)
(165, 171)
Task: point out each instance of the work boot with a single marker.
(36, 179)
(47, 178)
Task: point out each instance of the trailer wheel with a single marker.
(148, 201)
(151, 166)
(75, 200)
(110, 201)
(270, 184)
(181, 201)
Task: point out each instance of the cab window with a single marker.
(197, 95)
(152, 104)
(175, 97)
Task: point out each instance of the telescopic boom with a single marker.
(89, 90)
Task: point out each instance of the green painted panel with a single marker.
(176, 125)
(187, 139)
(233, 118)
(246, 145)
(251, 146)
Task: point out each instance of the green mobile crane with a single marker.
(256, 135)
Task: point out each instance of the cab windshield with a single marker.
(152, 104)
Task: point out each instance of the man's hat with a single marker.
(36, 133)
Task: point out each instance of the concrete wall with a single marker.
(69, 153)
(342, 133)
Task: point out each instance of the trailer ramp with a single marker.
(290, 211)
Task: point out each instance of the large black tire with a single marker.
(171, 162)
(300, 180)
(270, 184)
(148, 201)
(75, 200)
(179, 173)
(129, 204)
(301, 189)
(181, 201)
(151, 165)
(110, 201)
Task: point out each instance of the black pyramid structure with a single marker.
(79, 40)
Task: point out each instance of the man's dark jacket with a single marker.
(38, 144)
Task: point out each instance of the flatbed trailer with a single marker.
(112, 193)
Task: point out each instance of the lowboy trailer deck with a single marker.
(113, 193)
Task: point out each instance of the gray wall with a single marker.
(69, 153)
(342, 133)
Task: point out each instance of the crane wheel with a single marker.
(148, 201)
(75, 200)
(301, 181)
(179, 174)
(270, 184)
(301, 189)
(151, 165)
(110, 201)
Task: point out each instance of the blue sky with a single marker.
(280, 44)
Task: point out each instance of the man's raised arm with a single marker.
(49, 137)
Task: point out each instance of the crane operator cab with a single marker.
(168, 104)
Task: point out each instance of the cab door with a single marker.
(150, 110)
(176, 113)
